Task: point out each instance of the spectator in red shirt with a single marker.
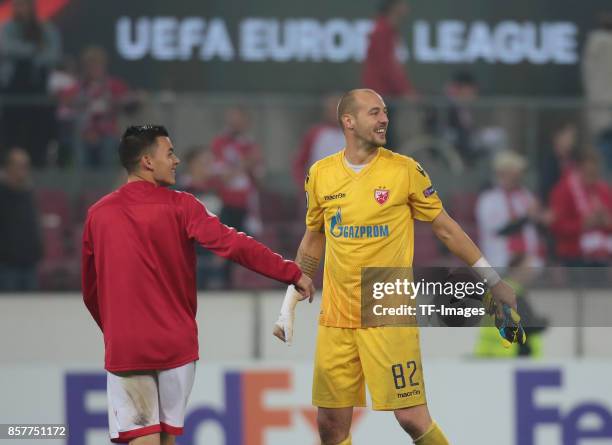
(581, 204)
(94, 103)
(139, 286)
(322, 139)
(239, 166)
(383, 67)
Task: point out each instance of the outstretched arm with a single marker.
(206, 229)
(455, 239)
(459, 243)
(507, 320)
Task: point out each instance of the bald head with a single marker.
(351, 101)
(362, 115)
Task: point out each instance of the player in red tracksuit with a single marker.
(383, 68)
(139, 284)
(383, 71)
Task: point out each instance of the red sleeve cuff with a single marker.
(297, 273)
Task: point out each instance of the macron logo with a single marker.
(334, 196)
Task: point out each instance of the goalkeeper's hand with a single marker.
(501, 302)
(283, 328)
(503, 293)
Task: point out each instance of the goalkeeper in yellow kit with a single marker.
(361, 205)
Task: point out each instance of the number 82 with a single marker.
(398, 374)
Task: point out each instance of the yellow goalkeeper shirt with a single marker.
(368, 222)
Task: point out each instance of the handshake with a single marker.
(302, 290)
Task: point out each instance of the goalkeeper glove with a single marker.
(283, 328)
(508, 322)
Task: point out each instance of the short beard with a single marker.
(370, 144)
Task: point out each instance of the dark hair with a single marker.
(194, 152)
(564, 125)
(605, 20)
(387, 5)
(135, 141)
(464, 78)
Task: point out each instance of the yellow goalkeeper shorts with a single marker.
(388, 359)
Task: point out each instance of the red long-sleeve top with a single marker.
(382, 71)
(568, 222)
(138, 277)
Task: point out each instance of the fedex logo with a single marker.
(530, 414)
(243, 417)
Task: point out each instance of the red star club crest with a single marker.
(381, 195)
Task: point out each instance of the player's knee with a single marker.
(415, 420)
(332, 429)
(331, 432)
(333, 438)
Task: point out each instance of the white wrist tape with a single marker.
(486, 272)
(290, 301)
(287, 314)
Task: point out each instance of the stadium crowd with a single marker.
(60, 113)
